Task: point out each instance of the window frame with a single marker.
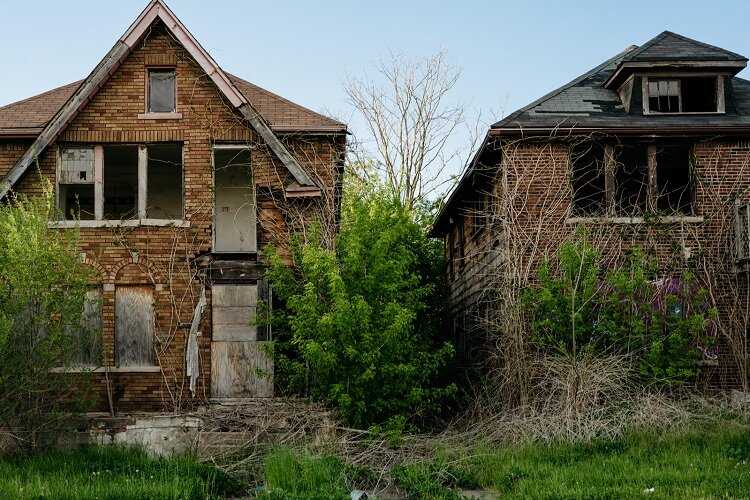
(719, 88)
(652, 195)
(161, 69)
(142, 192)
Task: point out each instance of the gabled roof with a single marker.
(668, 46)
(585, 105)
(670, 50)
(79, 95)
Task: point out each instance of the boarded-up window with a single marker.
(90, 334)
(134, 326)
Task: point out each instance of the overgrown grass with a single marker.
(694, 463)
(109, 473)
(697, 463)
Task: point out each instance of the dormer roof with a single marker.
(668, 51)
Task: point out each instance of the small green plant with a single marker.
(657, 321)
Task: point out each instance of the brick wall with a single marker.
(160, 257)
(532, 214)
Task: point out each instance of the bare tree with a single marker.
(410, 121)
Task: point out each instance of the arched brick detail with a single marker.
(98, 268)
(135, 269)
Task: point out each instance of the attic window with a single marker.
(695, 94)
(161, 91)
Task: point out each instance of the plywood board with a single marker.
(234, 295)
(241, 369)
(134, 326)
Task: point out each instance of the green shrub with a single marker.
(578, 306)
(43, 286)
(360, 329)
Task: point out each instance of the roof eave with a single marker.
(627, 68)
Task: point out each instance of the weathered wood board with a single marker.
(134, 326)
(241, 369)
(239, 366)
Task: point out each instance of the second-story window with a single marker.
(631, 180)
(161, 91)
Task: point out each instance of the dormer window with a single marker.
(689, 94)
(161, 91)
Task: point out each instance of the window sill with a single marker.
(111, 369)
(69, 224)
(160, 116)
(655, 219)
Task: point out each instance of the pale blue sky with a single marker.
(511, 52)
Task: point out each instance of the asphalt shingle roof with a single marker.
(584, 103)
(32, 114)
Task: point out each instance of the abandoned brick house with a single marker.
(180, 174)
(651, 148)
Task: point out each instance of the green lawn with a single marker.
(710, 462)
(111, 472)
(700, 463)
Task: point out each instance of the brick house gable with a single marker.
(231, 192)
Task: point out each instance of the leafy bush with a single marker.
(360, 328)
(43, 286)
(659, 322)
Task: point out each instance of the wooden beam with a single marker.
(65, 115)
(142, 181)
(281, 152)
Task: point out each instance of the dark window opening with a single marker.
(164, 183)
(479, 213)
(699, 95)
(120, 182)
(76, 201)
(673, 179)
(588, 180)
(631, 179)
(161, 91)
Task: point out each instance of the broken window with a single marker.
(161, 91)
(642, 178)
(664, 96)
(134, 326)
(588, 180)
(698, 94)
(120, 182)
(164, 185)
(631, 179)
(673, 179)
(479, 214)
(76, 187)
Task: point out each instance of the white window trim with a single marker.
(231, 147)
(142, 201)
